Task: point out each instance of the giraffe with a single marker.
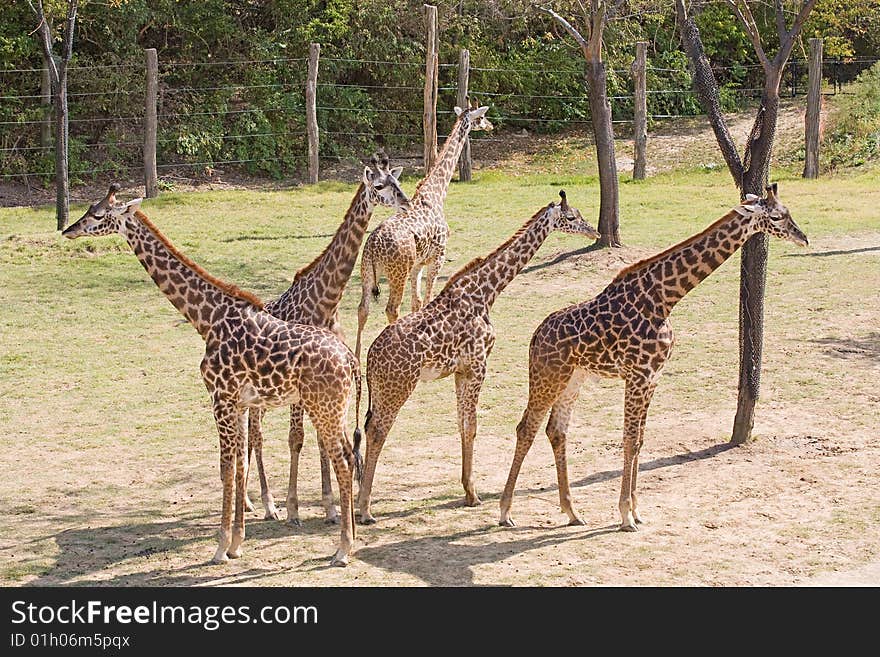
(252, 360)
(313, 298)
(415, 238)
(452, 334)
(625, 332)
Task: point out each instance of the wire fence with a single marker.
(249, 115)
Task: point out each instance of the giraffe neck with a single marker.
(327, 275)
(670, 275)
(493, 273)
(201, 298)
(436, 183)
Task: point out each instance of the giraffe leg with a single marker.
(396, 284)
(525, 435)
(331, 516)
(332, 436)
(415, 287)
(637, 398)
(255, 444)
(368, 285)
(557, 428)
(434, 267)
(234, 551)
(228, 428)
(467, 393)
(252, 442)
(295, 439)
(635, 469)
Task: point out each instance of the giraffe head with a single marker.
(104, 217)
(474, 118)
(769, 215)
(381, 183)
(567, 219)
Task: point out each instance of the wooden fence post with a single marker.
(464, 68)
(640, 112)
(432, 66)
(311, 110)
(46, 101)
(151, 177)
(814, 107)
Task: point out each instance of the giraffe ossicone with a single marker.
(624, 332)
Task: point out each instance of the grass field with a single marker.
(110, 450)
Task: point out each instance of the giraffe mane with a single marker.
(304, 271)
(476, 262)
(446, 146)
(228, 288)
(641, 264)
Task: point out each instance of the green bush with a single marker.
(854, 139)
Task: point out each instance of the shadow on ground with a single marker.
(866, 346)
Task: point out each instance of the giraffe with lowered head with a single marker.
(252, 360)
(313, 298)
(625, 332)
(452, 334)
(415, 238)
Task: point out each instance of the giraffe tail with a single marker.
(375, 291)
(358, 459)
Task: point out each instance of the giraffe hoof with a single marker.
(249, 506)
(639, 521)
(272, 515)
(339, 562)
(331, 520)
(233, 554)
(507, 522)
(473, 501)
(294, 522)
(629, 528)
(574, 522)
(368, 520)
(220, 558)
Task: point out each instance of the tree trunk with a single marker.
(753, 267)
(62, 184)
(600, 115)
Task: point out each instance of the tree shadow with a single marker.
(445, 561)
(272, 238)
(562, 257)
(825, 254)
(867, 346)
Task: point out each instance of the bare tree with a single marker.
(600, 113)
(58, 77)
(751, 174)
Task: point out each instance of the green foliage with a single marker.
(524, 66)
(855, 137)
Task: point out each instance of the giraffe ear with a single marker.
(457, 110)
(480, 111)
(396, 171)
(747, 209)
(367, 176)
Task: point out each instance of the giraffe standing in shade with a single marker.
(452, 334)
(252, 360)
(405, 243)
(313, 298)
(625, 332)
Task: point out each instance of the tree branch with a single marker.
(707, 90)
(45, 39)
(582, 42)
(780, 22)
(745, 16)
(67, 52)
(786, 45)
